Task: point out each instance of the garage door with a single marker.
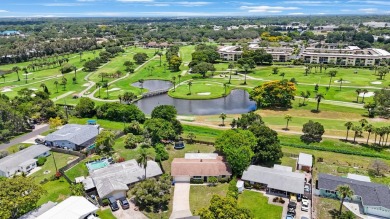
(182, 178)
(118, 195)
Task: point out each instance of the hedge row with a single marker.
(338, 150)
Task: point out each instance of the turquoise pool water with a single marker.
(97, 165)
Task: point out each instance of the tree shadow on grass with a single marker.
(334, 213)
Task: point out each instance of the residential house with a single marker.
(305, 162)
(199, 166)
(39, 211)
(73, 136)
(114, 180)
(22, 161)
(374, 198)
(74, 207)
(275, 180)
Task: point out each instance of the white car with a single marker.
(305, 205)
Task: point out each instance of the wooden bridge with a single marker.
(155, 93)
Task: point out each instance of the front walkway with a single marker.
(181, 201)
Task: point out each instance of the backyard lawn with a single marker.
(258, 204)
(60, 159)
(56, 191)
(105, 214)
(200, 195)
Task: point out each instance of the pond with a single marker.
(236, 102)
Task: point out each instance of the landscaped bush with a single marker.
(41, 161)
(232, 189)
(120, 160)
(223, 180)
(247, 185)
(105, 202)
(161, 153)
(275, 199)
(196, 181)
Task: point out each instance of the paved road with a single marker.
(181, 201)
(39, 129)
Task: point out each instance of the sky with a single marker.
(182, 8)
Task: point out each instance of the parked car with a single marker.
(305, 205)
(113, 204)
(124, 203)
(291, 211)
(292, 205)
(290, 216)
(307, 188)
(179, 145)
(39, 141)
(299, 197)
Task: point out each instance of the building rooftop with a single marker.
(200, 167)
(201, 156)
(281, 167)
(305, 159)
(11, 162)
(37, 212)
(118, 176)
(372, 194)
(276, 178)
(77, 134)
(74, 207)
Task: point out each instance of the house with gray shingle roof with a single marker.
(73, 136)
(22, 161)
(375, 198)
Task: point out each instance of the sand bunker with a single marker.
(344, 82)
(114, 89)
(204, 94)
(376, 82)
(368, 94)
(27, 73)
(6, 90)
(86, 85)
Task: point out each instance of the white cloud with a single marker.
(135, 1)
(192, 4)
(311, 3)
(368, 10)
(160, 5)
(3, 11)
(345, 10)
(61, 4)
(264, 8)
(87, 0)
(371, 2)
(297, 13)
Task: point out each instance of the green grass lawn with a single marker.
(80, 169)
(326, 207)
(200, 90)
(201, 133)
(56, 191)
(201, 195)
(105, 214)
(106, 124)
(258, 204)
(60, 159)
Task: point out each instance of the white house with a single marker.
(305, 162)
(375, 198)
(39, 211)
(73, 136)
(74, 207)
(22, 161)
(114, 180)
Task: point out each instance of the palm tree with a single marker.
(349, 126)
(369, 128)
(341, 82)
(358, 91)
(16, 69)
(165, 66)
(43, 86)
(305, 95)
(99, 85)
(25, 73)
(56, 83)
(106, 85)
(174, 83)
(120, 98)
(141, 82)
(363, 122)
(223, 117)
(225, 86)
(63, 82)
(344, 191)
(275, 70)
(231, 66)
(143, 158)
(387, 131)
(306, 71)
(74, 68)
(159, 54)
(189, 86)
(332, 74)
(357, 129)
(81, 54)
(288, 118)
(364, 94)
(102, 75)
(319, 97)
(376, 131)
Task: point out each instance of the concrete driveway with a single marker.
(181, 200)
(128, 213)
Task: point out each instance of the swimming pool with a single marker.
(98, 164)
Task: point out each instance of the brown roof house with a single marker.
(199, 166)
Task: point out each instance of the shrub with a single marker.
(275, 199)
(223, 180)
(58, 174)
(247, 185)
(120, 160)
(161, 153)
(41, 161)
(212, 180)
(196, 181)
(232, 189)
(281, 200)
(3, 154)
(105, 202)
